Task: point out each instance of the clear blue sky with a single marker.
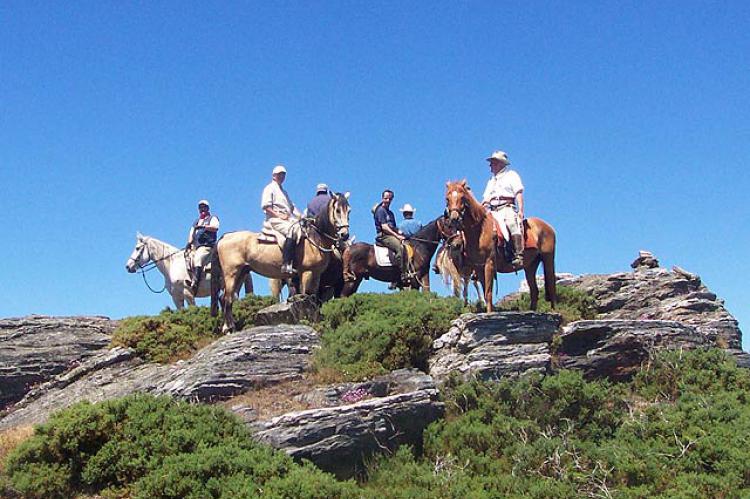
(628, 121)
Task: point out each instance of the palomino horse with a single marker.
(359, 262)
(238, 253)
(480, 245)
(171, 263)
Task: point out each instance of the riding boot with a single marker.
(196, 280)
(287, 255)
(517, 250)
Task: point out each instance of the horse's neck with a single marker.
(161, 253)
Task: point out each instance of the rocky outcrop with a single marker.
(297, 308)
(254, 357)
(660, 294)
(34, 349)
(494, 345)
(357, 421)
(615, 349)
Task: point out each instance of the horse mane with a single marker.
(323, 219)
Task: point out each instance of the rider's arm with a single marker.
(387, 229)
(190, 236)
(487, 193)
(519, 203)
(213, 224)
(275, 214)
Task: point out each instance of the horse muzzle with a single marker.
(130, 267)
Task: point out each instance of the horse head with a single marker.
(140, 255)
(338, 215)
(456, 201)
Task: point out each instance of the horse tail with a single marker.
(550, 279)
(217, 280)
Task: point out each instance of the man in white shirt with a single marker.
(503, 196)
(201, 239)
(282, 217)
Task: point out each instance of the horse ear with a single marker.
(463, 183)
(447, 183)
(138, 235)
(347, 194)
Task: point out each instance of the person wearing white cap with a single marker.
(319, 202)
(503, 196)
(409, 226)
(282, 217)
(201, 238)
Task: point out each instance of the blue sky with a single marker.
(629, 123)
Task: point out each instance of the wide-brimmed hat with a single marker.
(279, 169)
(407, 208)
(204, 201)
(501, 156)
(321, 188)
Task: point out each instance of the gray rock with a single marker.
(33, 349)
(616, 349)
(494, 345)
(338, 439)
(658, 294)
(295, 309)
(233, 364)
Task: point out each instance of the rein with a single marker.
(151, 265)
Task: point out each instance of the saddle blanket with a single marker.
(381, 256)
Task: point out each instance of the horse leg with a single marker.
(230, 285)
(350, 287)
(489, 280)
(309, 282)
(178, 298)
(530, 271)
(550, 280)
(424, 281)
(275, 287)
(249, 289)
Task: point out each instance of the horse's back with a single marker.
(545, 234)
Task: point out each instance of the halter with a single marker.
(150, 265)
(336, 240)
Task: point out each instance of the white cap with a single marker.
(407, 208)
(278, 169)
(203, 201)
(501, 156)
(321, 188)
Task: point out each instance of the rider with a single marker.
(503, 196)
(409, 226)
(201, 238)
(388, 235)
(282, 217)
(319, 202)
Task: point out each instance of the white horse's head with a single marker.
(140, 255)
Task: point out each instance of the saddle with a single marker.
(386, 257)
(506, 250)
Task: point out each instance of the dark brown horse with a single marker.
(480, 245)
(359, 262)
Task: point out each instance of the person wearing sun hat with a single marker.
(503, 196)
(409, 226)
(282, 217)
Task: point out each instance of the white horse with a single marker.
(171, 263)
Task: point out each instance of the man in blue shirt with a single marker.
(388, 235)
(319, 202)
(409, 226)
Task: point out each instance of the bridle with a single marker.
(149, 265)
(337, 241)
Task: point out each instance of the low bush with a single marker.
(153, 447)
(174, 335)
(368, 334)
(572, 304)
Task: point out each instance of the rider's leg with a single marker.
(287, 254)
(511, 219)
(393, 243)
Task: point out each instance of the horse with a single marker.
(480, 245)
(171, 263)
(360, 263)
(449, 264)
(238, 253)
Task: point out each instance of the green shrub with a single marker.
(154, 445)
(367, 334)
(572, 304)
(174, 335)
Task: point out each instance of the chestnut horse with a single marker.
(480, 245)
(359, 262)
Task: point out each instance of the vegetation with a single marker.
(680, 429)
(174, 335)
(154, 447)
(368, 334)
(572, 304)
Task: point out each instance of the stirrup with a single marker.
(288, 269)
